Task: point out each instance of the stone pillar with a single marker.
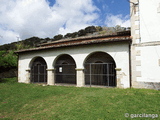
(119, 77)
(50, 77)
(80, 77)
(28, 74)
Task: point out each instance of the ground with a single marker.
(32, 101)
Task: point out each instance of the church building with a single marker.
(126, 59)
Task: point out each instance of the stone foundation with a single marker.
(147, 85)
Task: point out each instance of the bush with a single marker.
(7, 60)
(99, 28)
(58, 37)
(90, 29)
(81, 32)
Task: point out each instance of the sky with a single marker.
(21, 19)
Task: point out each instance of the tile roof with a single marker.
(81, 41)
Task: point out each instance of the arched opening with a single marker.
(65, 70)
(38, 70)
(100, 70)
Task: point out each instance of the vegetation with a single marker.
(8, 60)
(32, 101)
(58, 37)
(27, 43)
(71, 35)
(35, 41)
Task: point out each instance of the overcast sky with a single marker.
(21, 19)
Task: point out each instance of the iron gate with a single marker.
(65, 73)
(100, 74)
(39, 73)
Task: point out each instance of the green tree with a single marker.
(118, 28)
(90, 29)
(81, 32)
(7, 60)
(58, 37)
(99, 28)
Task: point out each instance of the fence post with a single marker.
(90, 75)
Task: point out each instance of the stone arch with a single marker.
(99, 69)
(65, 69)
(97, 55)
(32, 60)
(38, 72)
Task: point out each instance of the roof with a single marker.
(120, 37)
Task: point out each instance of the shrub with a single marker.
(58, 37)
(90, 29)
(7, 60)
(81, 32)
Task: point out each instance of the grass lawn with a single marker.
(32, 101)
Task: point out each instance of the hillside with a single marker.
(36, 41)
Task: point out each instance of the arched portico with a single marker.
(65, 69)
(38, 72)
(99, 69)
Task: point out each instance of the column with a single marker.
(50, 77)
(119, 77)
(28, 74)
(80, 77)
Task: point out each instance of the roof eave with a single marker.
(75, 44)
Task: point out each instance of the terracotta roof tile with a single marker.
(80, 41)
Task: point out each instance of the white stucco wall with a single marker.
(119, 51)
(150, 64)
(145, 52)
(149, 32)
(149, 12)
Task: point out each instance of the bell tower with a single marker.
(145, 48)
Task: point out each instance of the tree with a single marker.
(21, 45)
(99, 28)
(7, 60)
(81, 32)
(68, 35)
(58, 37)
(119, 28)
(90, 29)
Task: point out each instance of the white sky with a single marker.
(27, 18)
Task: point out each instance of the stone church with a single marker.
(127, 59)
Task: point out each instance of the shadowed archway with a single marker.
(100, 69)
(38, 70)
(65, 70)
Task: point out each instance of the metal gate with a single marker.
(65, 73)
(100, 74)
(39, 73)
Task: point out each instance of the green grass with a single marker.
(31, 101)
